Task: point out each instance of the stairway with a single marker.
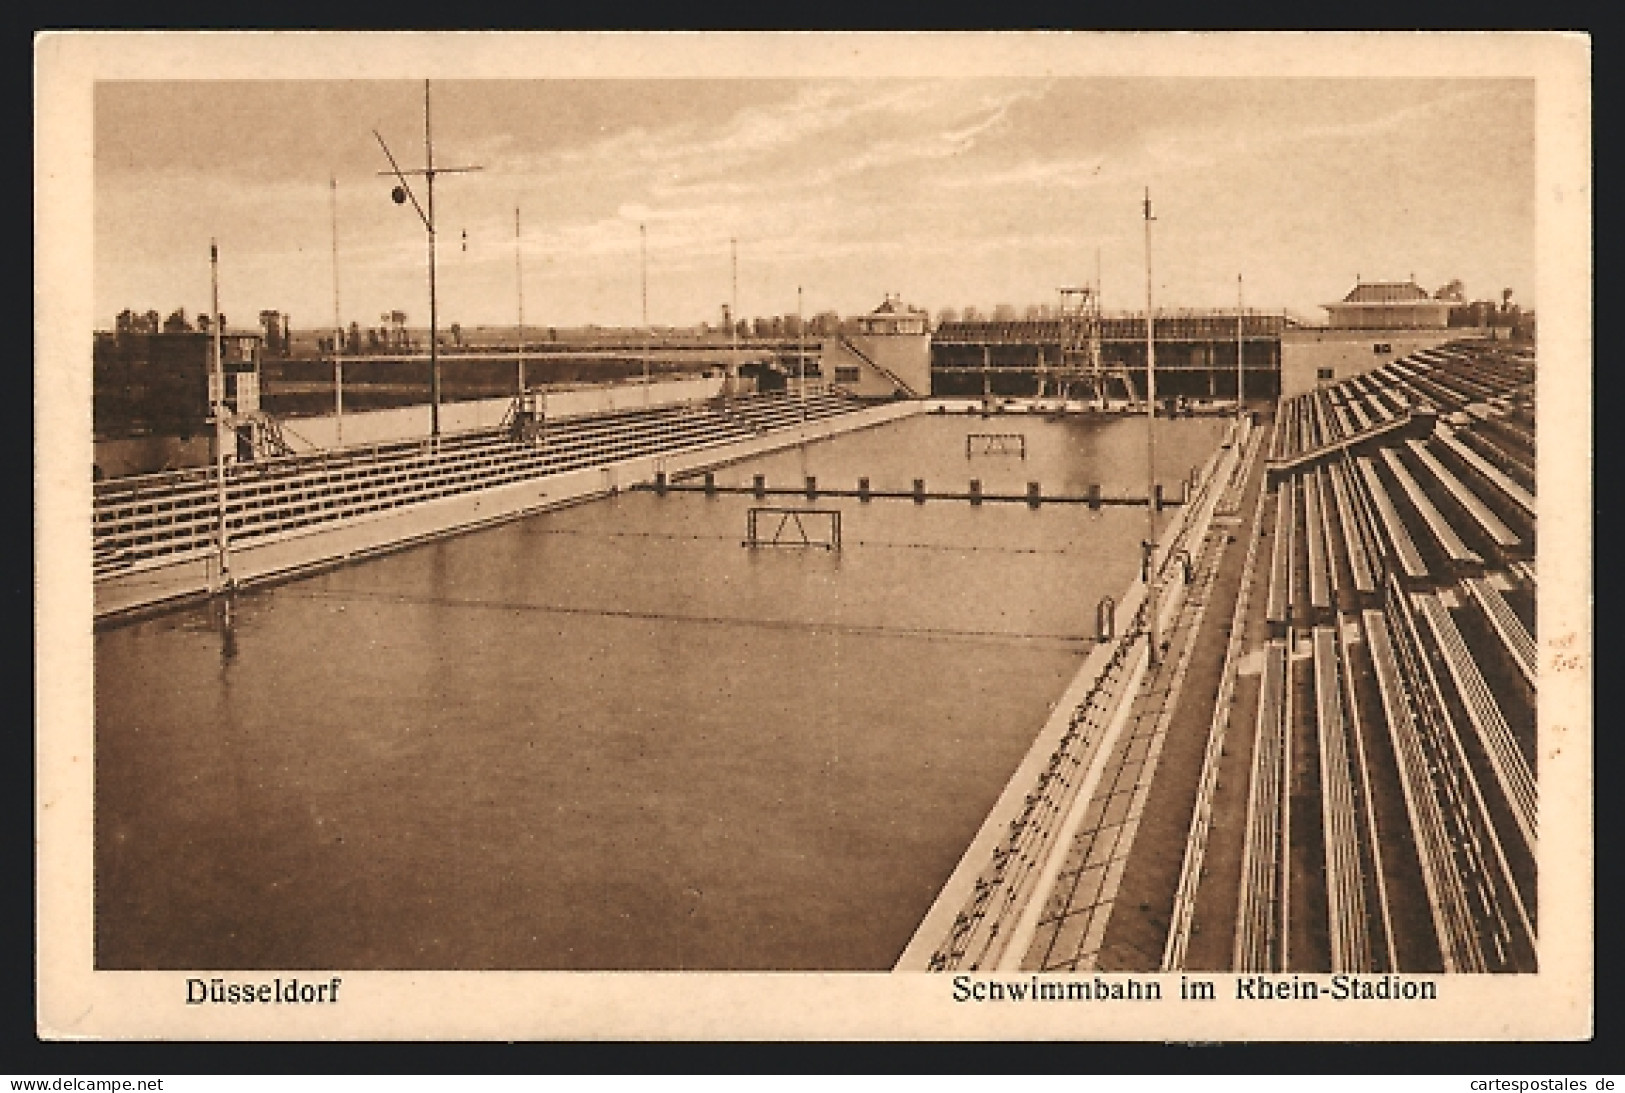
(895, 380)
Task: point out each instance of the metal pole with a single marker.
(338, 323)
(1098, 381)
(733, 316)
(801, 353)
(434, 306)
(643, 265)
(402, 194)
(1239, 343)
(519, 283)
(218, 391)
(434, 317)
(1150, 445)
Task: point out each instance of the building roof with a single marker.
(1386, 292)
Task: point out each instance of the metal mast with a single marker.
(1150, 444)
(643, 265)
(338, 323)
(1239, 345)
(402, 193)
(1094, 331)
(434, 318)
(801, 353)
(519, 285)
(733, 324)
(217, 400)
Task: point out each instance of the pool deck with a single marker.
(991, 908)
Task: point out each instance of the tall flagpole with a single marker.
(1150, 445)
(338, 323)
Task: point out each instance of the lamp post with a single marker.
(400, 195)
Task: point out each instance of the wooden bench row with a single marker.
(1356, 541)
(1348, 929)
(1506, 761)
(1445, 443)
(1440, 532)
(1260, 911)
(1397, 548)
(1433, 837)
(1278, 603)
(297, 474)
(1466, 501)
(1314, 522)
(1515, 640)
(126, 532)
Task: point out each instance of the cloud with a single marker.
(967, 187)
(1194, 148)
(1072, 173)
(795, 180)
(826, 132)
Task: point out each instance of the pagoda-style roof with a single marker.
(1400, 304)
(1386, 292)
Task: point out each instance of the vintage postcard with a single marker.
(780, 535)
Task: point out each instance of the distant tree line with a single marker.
(389, 336)
(131, 322)
(276, 327)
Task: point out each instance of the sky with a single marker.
(949, 192)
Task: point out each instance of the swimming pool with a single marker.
(609, 737)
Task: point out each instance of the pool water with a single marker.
(610, 736)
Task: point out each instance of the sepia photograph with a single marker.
(1032, 523)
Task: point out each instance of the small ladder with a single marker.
(523, 421)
